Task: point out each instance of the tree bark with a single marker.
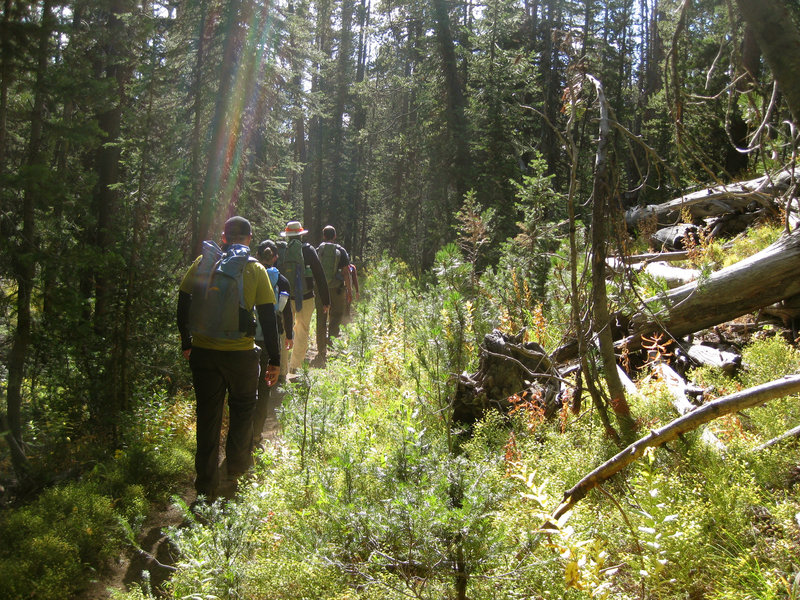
(708, 412)
(221, 128)
(774, 27)
(755, 282)
(711, 201)
(456, 102)
(25, 260)
(601, 321)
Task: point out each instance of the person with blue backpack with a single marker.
(265, 407)
(299, 263)
(217, 302)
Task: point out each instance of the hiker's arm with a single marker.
(288, 315)
(288, 321)
(184, 304)
(269, 326)
(312, 259)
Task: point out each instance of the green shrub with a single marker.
(48, 542)
(46, 567)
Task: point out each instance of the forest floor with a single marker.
(153, 552)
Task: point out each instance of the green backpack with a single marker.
(330, 256)
(292, 266)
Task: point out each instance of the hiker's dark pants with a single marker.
(328, 325)
(267, 402)
(214, 373)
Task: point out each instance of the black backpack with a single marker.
(218, 309)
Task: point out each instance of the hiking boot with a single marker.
(318, 361)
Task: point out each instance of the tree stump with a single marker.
(508, 367)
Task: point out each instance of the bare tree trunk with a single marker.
(25, 259)
(5, 78)
(455, 99)
(601, 321)
(774, 27)
(220, 127)
(196, 191)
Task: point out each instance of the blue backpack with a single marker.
(281, 298)
(218, 309)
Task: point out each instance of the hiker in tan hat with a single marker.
(299, 263)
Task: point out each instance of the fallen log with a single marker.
(688, 422)
(651, 256)
(713, 201)
(726, 361)
(678, 389)
(794, 432)
(745, 287)
(675, 237)
(787, 310)
(671, 275)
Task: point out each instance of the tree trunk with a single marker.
(25, 259)
(221, 127)
(774, 27)
(600, 233)
(753, 283)
(456, 102)
(196, 190)
(5, 80)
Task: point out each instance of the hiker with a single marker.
(265, 405)
(336, 265)
(300, 264)
(216, 303)
(354, 296)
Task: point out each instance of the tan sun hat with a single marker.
(293, 228)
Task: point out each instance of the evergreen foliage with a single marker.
(452, 145)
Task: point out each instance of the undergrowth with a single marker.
(372, 491)
(53, 546)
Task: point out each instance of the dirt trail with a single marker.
(155, 554)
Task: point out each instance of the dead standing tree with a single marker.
(600, 234)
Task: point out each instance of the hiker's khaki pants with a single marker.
(302, 330)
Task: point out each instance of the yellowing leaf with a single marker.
(572, 574)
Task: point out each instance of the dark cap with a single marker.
(267, 245)
(237, 227)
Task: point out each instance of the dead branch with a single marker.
(688, 422)
(794, 432)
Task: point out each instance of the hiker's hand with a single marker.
(187, 353)
(272, 375)
(326, 308)
(288, 343)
